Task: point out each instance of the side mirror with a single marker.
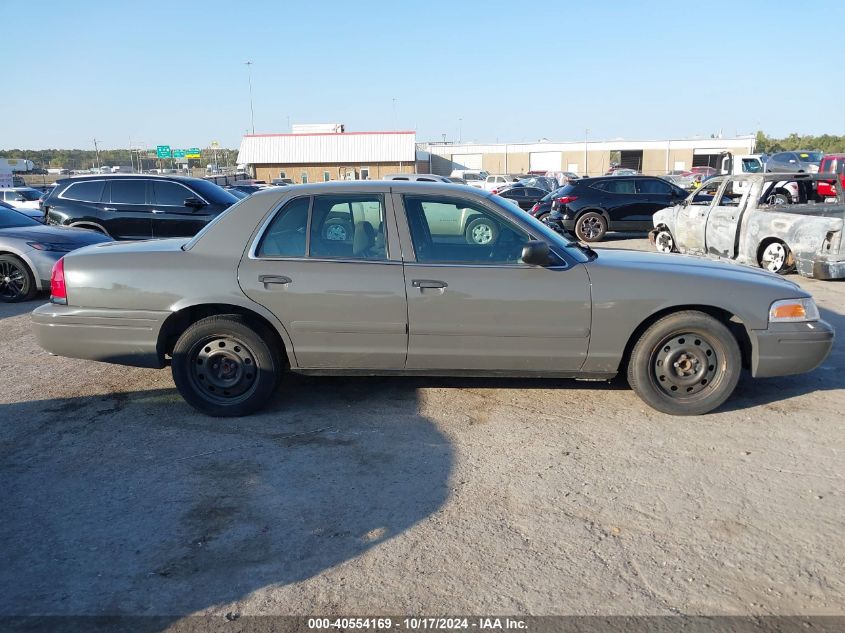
(194, 203)
(536, 253)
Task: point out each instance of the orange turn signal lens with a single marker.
(789, 311)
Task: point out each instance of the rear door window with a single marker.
(129, 191)
(348, 227)
(86, 191)
(622, 186)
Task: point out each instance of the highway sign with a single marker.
(163, 151)
(194, 152)
(179, 153)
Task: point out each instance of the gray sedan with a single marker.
(360, 278)
(28, 251)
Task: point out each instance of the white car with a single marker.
(22, 198)
(497, 182)
(472, 177)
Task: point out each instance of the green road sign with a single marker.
(178, 153)
(194, 152)
(163, 151)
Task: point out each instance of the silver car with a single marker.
(28, 250)
(273, 285)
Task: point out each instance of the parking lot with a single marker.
(377, 495)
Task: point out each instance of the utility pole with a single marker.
(586, 135)
(96, 149)
(251, 111)
(460, 129)
(395, 120)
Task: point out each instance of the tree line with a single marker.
(86, 158)
(827, 143)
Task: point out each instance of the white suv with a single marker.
(498, 181)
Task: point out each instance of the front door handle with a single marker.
(428, 283)
(109, 209)
(157, 211)
(279, 280)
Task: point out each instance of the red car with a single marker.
(834, 164)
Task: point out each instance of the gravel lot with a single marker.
(417, 496)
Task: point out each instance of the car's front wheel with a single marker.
(686, 363)
(17, 283)
(591, 227)
(664, 242)
(226, 366)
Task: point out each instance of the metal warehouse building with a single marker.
(591, 158)
(321, 156)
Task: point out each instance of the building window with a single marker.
(365, 173)
(326, 176)
(304, 177)
(282, 174)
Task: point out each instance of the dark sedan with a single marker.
(525, 197)
(593, 206)
(543, 206)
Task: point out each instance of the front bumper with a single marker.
(789, 348)
(820, 266)
(125, 337)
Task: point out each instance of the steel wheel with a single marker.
(775, 257)
(16, 281)
(226, 365)
(223, 368)
(684, 365)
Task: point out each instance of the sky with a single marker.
(173, 73)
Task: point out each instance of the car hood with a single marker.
(54, 235)
(676, 264)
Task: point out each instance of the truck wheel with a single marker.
(481, 231)
(17, 283)
(591, 227)
(686, 363)
(776, 258)
(224, 366)
(664, 242)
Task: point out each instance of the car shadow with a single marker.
(8, 310)
(132, 503)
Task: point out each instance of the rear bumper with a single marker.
(125, 337)
(789, 348)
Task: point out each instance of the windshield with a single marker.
(12, 219)
(550, 235)
(213, 193)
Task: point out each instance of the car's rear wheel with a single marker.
(591, 227)
(481, 231)
(664, 242)
(776, 258)
(226, 366)
(686, 363)
(17, 283)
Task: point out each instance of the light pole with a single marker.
(586, 134)
(395, 120)
(460, 130)
(251, 111)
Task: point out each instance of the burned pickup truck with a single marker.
(776, 221)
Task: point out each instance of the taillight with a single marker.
(567, 199)
(534, 208)
(58, 290)
(495, 191)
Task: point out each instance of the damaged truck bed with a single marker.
(776, 221)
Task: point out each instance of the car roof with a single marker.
(185, 179)
(365, 186)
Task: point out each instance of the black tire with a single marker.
(17, 283)
(687, 363)
(776, 257)
(481, 231)
(591, 227)
(542, 217)
(225, 366)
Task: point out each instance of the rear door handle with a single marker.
(279, 280)
(109, 209)
(428, 283)
(157, 211)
